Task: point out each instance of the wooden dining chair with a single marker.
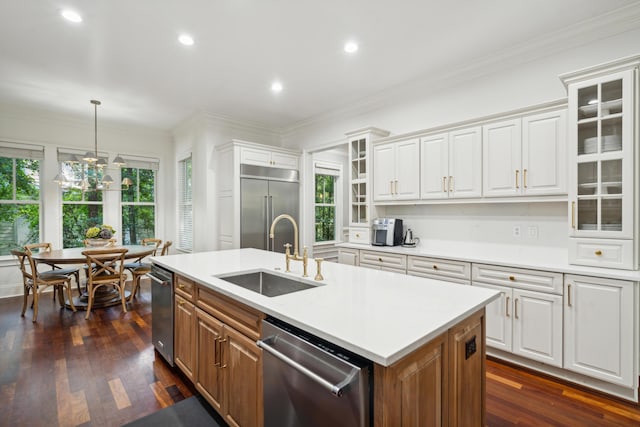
(36, 282)
(144, 268)
(55, 270)
(108, 270)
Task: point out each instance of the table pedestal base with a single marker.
(105, 296)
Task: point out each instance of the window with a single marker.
(326, 212)
(19, 197)
(82, 202)
(185, 206)
(138, 201)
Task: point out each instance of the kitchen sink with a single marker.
(267, 284)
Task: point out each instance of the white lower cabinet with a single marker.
(525, 323)
(348, 256)
(600, 331)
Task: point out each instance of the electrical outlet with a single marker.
(532, 232)
(516, 231)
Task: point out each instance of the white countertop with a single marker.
(379, 315)
(533, 257)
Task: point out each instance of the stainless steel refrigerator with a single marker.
(265, 194)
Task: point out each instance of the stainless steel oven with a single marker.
(309, 382)
(162, 311)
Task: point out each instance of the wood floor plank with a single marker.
(161, 394)
(504, 381)
(119, 394)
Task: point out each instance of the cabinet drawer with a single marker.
(534, 280)
(383, 259)
(184, 287)
(602, 253)
(453, 271)
(359, 235)
(239, 316)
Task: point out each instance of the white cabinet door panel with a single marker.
(434, 166)
(599, 328)
(544, 153)
(498, 318)
(537, 326)
(465, 162)
(407, 184)
(501, 158)
(383, 171)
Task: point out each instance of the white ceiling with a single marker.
(125, 53)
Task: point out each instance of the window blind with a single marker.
(325, 168)
(185, 205)
(142, 163)
(21, 151)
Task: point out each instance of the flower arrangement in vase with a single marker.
(99, 236)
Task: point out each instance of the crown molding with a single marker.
(204, 118)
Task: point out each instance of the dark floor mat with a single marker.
(192, 412)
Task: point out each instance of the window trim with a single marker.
(332, 169)
(137, 165)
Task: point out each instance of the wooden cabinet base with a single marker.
(440, 384)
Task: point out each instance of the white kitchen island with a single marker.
(415, 330)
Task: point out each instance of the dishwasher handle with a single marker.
(335, 389)
(158, 280)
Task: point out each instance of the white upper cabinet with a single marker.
(502, 158)
(525, 156)
(603, 144)
(396, 170)
(451, 164)
(544, 153)
(275, 159)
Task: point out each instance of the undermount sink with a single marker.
(267, 284)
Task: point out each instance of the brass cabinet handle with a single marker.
(216, 352)
(180, 303)
(181, 285)
(391, 187)
(435, 267)
(598, 252)
(515, 308)
(507, 307)
(444, 184)
(524, 178)
(569, 295)
(573, 215)
(221, 341)
(517, 178)
(512, 278)
(450, 183)
(396, 187)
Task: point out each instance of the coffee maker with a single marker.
(386, 232)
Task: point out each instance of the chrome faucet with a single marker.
(295, 256)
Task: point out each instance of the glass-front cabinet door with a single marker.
(601, 200)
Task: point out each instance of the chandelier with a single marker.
(94, 177)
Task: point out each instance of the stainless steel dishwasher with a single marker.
(162, 311)
(309, 382)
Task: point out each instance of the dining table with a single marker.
(105, 296)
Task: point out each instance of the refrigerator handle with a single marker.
(270, 220)
(266, 223)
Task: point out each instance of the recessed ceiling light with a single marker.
(276, 87)
(71, 15)
(186, 39)
(351, 47)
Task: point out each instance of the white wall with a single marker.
(52, 130)
(199, 136)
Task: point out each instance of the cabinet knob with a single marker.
(181, 286)
(512, 278)
(358, 235)
(598, 252)
(435, 267)
(379, 259)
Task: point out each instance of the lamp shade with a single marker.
(90, 157)
(127, 182)
(119, 161)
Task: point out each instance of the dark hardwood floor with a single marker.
(68, 371)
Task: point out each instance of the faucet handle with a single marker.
(318, 268)
(287, 248)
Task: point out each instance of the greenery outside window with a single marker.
(325, 207)
(138, 202)
(80, 209)
(19, 198)
(185, 205)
